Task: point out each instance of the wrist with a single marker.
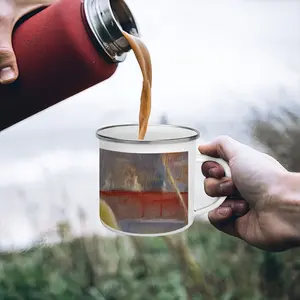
(287, 199)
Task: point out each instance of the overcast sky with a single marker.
(212, 60)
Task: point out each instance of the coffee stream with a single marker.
(143, 57)
(144, 60)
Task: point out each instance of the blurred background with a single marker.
(222, 66)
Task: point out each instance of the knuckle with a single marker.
(222, 142)
(7, 56)
(210, 188)
(223, 139)
(6, 18)
(214, 219)
(6, 51)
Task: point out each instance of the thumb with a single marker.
(8, 64)
(224, 147)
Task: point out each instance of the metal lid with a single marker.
(107, 19)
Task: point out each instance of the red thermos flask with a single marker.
(63, 50)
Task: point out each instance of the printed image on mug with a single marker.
(154, 186)
(144, 193)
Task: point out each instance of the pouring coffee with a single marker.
(146, 182)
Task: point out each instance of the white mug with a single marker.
(149, 187)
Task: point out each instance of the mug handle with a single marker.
(201, 159)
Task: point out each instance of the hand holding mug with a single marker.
(268, 212)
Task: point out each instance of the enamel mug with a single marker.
(155, 186)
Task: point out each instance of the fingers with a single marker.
(227, 209)
(10, 13)
(224, 147)
(213, 169)
(230, 216)
(219, 187)
(8, 66)
(226, 217)
(215, 184)
(8, 63)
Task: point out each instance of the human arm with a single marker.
(286, 197)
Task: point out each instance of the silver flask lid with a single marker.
(106, 20)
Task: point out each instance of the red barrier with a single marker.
(145, 205)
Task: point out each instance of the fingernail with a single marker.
(7, 74)
(212, 172)
(224, 211)
(225, 188)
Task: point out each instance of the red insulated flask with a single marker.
(63, 50)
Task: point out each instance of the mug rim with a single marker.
(194, 136)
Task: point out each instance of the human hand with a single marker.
(266, 211)
(10, 12)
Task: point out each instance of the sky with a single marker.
(212, 61)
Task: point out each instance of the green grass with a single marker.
(148, 268)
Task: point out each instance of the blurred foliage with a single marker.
(278, 130)
(200, 263)
(94, 267)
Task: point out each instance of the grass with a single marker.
(200, 264)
